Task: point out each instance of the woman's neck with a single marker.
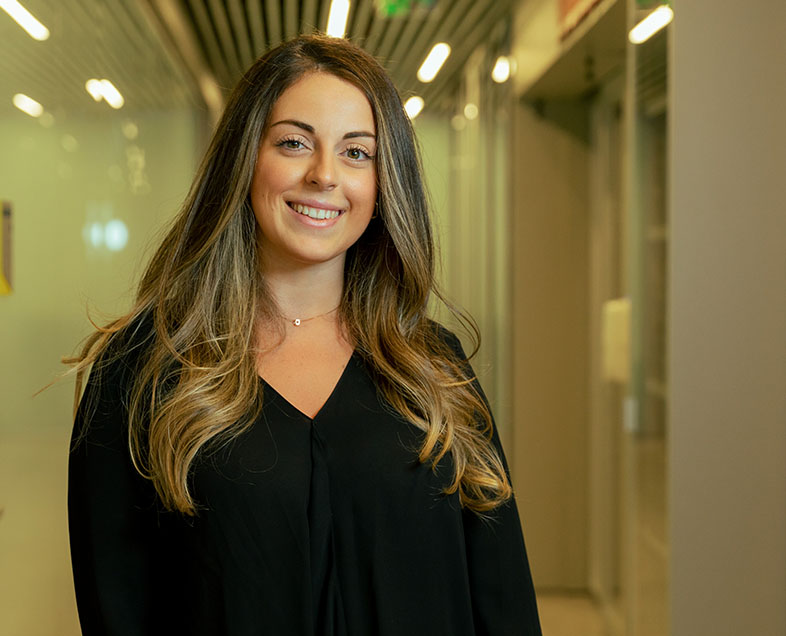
(306, 291)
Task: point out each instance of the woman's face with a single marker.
(315, 180)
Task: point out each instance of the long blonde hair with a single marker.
(200, 297)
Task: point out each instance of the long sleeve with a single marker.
(113, 520)
(503, 595)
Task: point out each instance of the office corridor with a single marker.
(607, 203)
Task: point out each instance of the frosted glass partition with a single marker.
(89, 196)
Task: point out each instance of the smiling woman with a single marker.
(277, 439)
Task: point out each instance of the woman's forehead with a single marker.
(324, 102)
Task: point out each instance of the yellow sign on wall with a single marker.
(5, 250)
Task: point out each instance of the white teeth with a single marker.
(315, 213)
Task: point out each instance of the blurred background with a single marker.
(607, 184)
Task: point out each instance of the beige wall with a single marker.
(728, 319)
(551, 338)
(57, 189)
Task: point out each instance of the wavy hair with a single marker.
(197, 385)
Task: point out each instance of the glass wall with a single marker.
(646, 426)
(90, 187)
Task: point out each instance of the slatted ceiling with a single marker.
(437, 31)
(114, 39)
(254, 13)
(207, 38)
(239, 26)
(378, 24)
(400, 42)
(309, 17)
(323, 12)
(475, 29)
(226, 39)
(403, 42)
(480, 32)
(88, 39)
(131, 27)
(392, 30)
(273, 22)
(291, 19)
(359, 19)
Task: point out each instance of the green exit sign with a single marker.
(391, 8)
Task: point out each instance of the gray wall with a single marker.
(728, 319)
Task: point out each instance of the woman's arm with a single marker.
(113, 518)
(503, 596)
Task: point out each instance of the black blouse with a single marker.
(321, 527)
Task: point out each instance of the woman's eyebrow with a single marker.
(294, 122)
(359, 133)
(310, 129)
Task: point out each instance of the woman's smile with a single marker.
(315, 212)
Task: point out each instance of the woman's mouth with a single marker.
(314, 213)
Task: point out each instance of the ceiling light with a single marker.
(25, 19)
(28, 105)
(106, 90)
(501, 70)
(650, 25)
(433, 62)
(111, 94)
(413, 106)
(93, 86)
(337, 18)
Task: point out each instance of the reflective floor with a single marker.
(570, 615)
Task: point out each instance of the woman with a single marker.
(276, 439)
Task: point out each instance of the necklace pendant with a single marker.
(296, 322)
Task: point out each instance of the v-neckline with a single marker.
(321, 409)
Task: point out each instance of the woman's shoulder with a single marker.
(447, 338)
(103, 406)
(126, 347)
(119, 360)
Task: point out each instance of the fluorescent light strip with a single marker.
(94, 87)
(111, 94)
(106, 90)
(28, 105)
(413, 106)
(433, 62)
(337, 18)
(650, 25)
(501, 71)
(25, 19)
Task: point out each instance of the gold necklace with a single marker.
(299, 321)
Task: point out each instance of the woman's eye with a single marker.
(291, 144)
(357, 154)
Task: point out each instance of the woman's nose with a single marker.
(322, 172)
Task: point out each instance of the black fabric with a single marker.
(320, 527)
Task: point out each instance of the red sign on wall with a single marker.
(572, 12)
